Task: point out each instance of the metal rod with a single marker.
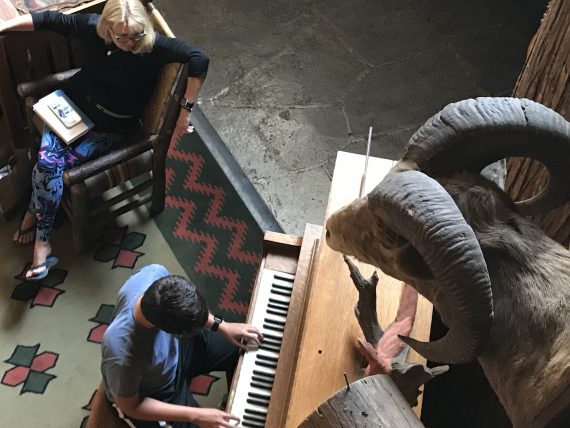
(363, 180)
(346, 380)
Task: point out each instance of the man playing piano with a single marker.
(161, 336)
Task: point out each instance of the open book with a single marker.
(63, 116)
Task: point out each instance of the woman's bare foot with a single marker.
(26, 233)
(42, 249)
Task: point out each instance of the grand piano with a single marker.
(303, 303)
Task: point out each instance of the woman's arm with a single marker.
(177, 50)
(51, 20)
(192, 88)
(19, 23)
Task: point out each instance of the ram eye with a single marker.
(391, 239)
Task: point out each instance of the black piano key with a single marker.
(252, 418)
(268, 382)
(256, 379)
(272, 321)
(276, 302)
(275, 312)
(259, 396)
(284, 278)
(282, 287)
(254, 412)
(266, 364)
(261, 403)
(264, 374)
(281, 292)
(273, 327)
(248, 424)
(261, 386)
(269, 347)
(267, 358)
(284, 308)
(270, 337)
(272, 344)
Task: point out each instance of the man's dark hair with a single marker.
(173, 304)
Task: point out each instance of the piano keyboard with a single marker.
(253, 390)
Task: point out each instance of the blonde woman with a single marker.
(123, 59)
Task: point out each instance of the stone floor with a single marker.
(292, 82)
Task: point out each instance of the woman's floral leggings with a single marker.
(54, 158)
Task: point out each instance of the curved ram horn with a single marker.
(419, 210)
(471, 134)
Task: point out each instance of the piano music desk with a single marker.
(328, 346)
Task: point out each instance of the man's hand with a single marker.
(214, 418)
(244, 336)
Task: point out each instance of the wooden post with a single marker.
(545, 79)
(373, 401)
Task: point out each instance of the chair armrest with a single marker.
(114, 158)
(44, 85)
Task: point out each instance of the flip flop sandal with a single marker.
(50, 262)
(21, 232)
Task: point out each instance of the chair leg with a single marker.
(79, 216)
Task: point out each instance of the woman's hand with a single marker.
(244, 336)
(214, 418)
(183, 126)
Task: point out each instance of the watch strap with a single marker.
(217, 321)
(185, 104)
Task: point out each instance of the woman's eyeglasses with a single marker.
(134, 38)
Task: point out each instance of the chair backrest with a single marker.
(28, 56)
(25, 57)
(162, 110)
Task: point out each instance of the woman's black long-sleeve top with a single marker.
(119, 81)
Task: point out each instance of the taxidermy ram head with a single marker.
(499, 283)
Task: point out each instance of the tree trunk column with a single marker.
(373, 402)
(545, 79)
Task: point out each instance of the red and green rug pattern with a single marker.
(209, 229)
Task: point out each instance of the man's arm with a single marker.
(19, 23)
(150, 409)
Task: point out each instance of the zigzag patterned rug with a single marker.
(209, 229)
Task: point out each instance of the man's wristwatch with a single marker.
(185, 104)
(217, 321)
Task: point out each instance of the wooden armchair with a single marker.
(135, 172)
